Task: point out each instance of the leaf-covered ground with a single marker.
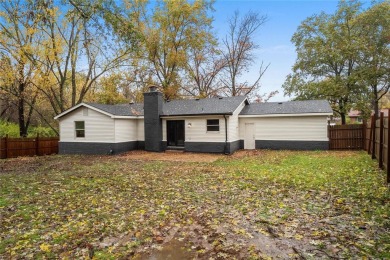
(277, 204)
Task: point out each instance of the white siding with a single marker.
(197, 132)
(305, 128)
(98, 127)
(233, 128)
(125, 130)
(164, 128)
(140, 130)
(233, 124)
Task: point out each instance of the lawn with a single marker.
(278, 204)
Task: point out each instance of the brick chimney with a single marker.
(153, 103)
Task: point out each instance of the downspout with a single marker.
(226, 136)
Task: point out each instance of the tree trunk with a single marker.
(376, 108)
(342, 111)
(22, 124)
(343, 118)
(375, 102)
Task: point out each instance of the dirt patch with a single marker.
(172, 250)
(247, 153)
(48, 162)
(202, 240)
(174, 156)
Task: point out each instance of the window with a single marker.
(212, 125)
(80, 128)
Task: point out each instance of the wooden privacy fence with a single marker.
(372, 137)
(15, 147)
(377, 141)
(349, 137)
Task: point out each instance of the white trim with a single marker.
(207, 125)
(75, 130)
(287, 115)
(79, 105)
(127, 117)
(96, 109)
(106, 142)
(206, 141)
(294, 139)
(246, 99)
(200, 116)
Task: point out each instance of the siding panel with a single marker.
(233, 128)
(233, 124)
(140, 130)
(98, 127)
(125, 130)
(308, 128)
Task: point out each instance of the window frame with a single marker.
(211, 125)
(76, 129)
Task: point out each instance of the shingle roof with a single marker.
(220, 106)
(289, 107)
(207, 106)
(121, 109)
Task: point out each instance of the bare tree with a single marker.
(80, 48)
(204, 68)
(239, 46)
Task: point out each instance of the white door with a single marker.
(249, 140)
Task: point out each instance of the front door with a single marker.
(175, 133)
(249, 140)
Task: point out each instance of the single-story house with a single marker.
(216, 125)
(355, 116)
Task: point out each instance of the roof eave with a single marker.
(286, 115)
(79, 105)
(245, 101)
(127, 117)
(206, 114)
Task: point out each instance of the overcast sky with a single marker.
(274, 37)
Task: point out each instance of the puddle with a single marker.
(173, 250)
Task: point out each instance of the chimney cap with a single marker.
(152, 88)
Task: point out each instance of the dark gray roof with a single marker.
(207, 106)
(288, 107)
(121, 109)
(220, 106)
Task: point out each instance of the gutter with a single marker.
(196, 115)
(284, 115)
(226, 136)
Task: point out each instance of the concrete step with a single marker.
(174, 150)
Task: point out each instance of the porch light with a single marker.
(189, 125)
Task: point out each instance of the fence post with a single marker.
(364, 130)
(6, 146)
(371, 141)
(373, 137)
(388, 147)
(37, 145)
(380, 155)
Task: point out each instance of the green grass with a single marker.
(329, 203)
